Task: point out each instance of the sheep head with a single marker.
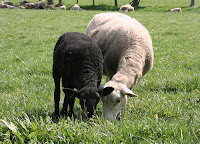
(115, 101)
(89, 97)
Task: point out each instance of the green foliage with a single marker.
(166, 111)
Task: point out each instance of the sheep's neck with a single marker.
(127, 80)
(129, 71)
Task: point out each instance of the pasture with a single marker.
(167, 109)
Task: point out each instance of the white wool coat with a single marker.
(126, 46)
(127, 53)
(126, 8)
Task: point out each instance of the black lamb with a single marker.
(79, 62)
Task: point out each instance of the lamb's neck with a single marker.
(88, 81)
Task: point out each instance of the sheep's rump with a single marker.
(119, 35)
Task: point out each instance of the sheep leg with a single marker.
(56, 93)
(65, 106)
(71, 106)
(68, 101)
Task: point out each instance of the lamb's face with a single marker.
(89, 97)
(89, 100)
(115, 101)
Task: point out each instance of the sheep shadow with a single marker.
(100, 7)
(38, 115)
(105, 7)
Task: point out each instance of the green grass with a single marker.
(108, 5)
(171, 90)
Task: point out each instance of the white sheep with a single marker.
(126, 8)
(128, 55)
(63, 7)
(75, 7)
(176, 10)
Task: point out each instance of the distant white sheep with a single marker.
(63, 7)
(128, 56)
(126, 8)
(176, 10)
(75, 7)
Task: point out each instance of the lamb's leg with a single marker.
(71, 106)
(65, 106)
(69, 100)
(56, 93)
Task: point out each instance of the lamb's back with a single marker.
(79, 59)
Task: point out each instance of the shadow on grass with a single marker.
(37, 114)
(100, 7)
(105, 8)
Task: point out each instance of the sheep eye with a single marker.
(118, 101)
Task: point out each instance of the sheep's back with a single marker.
(115, 33)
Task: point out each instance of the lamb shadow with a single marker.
(37, 115)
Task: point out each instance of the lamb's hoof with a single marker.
(71, 114)
(63, 113)
(90, 115)
(55, 116)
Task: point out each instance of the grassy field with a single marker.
(167, 109)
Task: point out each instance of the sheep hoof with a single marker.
(71, 114)
(55, 116)
(63, 113)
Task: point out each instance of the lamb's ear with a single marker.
(128, 92)
(70, 92)
(105, 91)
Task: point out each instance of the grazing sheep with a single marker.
(128, 55)
(63, 7)
(176, 10)
(126, 8)
(75, 7)
(79, 62)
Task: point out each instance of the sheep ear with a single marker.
(105, 91)
(128, 92)
(70, 92)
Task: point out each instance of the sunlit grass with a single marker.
(171, 91)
